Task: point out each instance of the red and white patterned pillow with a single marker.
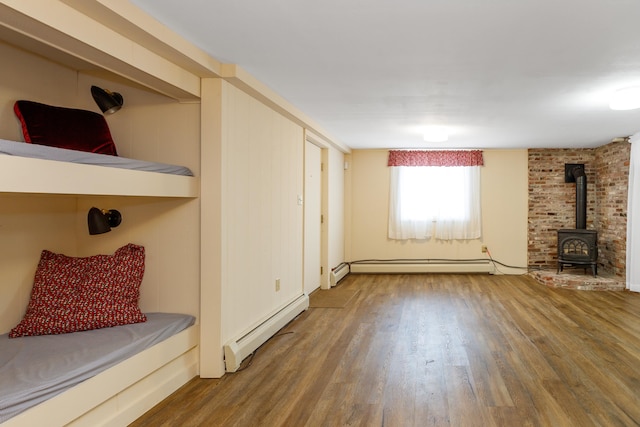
(76, 294)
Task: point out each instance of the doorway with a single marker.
(312, 216)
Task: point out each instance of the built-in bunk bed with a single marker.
(113, 372)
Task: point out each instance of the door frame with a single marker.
(313, 269)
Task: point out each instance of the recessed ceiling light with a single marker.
(435, 133)
(626, 99)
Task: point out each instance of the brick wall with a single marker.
(552, 202)
(612, 162)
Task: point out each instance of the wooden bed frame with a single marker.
(70, 178)
(80, 36)
(120, 394)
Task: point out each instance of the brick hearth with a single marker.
(578, 280)
(552, 206)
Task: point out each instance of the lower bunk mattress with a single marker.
(34, 369)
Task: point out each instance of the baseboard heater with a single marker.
(480, 266)
(338, 273)
(237, 350)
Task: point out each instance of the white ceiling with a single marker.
(498, 73)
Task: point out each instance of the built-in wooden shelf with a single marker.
(26, 175)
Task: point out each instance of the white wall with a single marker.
(504, 198)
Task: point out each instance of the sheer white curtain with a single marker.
(633, 217)
(435, 201)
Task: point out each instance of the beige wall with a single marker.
(150, 127)
(504, 212)
(262, 221)
(335, 207)
(252, 229)
(29, 224)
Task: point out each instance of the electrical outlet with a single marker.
(277, 285)
(484, 249)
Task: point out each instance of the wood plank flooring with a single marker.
(435, 350)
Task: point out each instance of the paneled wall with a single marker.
(29, 224)
(263, 177)
(252, 225)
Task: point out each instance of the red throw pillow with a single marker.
(77, 294)
(61, 127)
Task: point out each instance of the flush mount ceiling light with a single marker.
(435, 133)
(626, 99)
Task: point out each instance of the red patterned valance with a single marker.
(435, 158)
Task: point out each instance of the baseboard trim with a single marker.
(427, 267)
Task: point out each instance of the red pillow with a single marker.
(61, 127)
(77, 294)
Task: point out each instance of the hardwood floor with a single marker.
(435, 350)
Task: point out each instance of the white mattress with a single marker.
(22, 149)
(34, 369)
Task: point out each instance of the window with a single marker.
(435, 193)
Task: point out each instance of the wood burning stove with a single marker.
(579, 246)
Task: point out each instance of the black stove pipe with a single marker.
(581, 197)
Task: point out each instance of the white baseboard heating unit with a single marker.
(480, 266)
(338, 273)
(237, 350)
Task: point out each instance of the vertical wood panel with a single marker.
(213, 254)
(263, 222)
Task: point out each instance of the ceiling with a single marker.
(372, 73)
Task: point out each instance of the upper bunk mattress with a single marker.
(22, 149)
(36, 368)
